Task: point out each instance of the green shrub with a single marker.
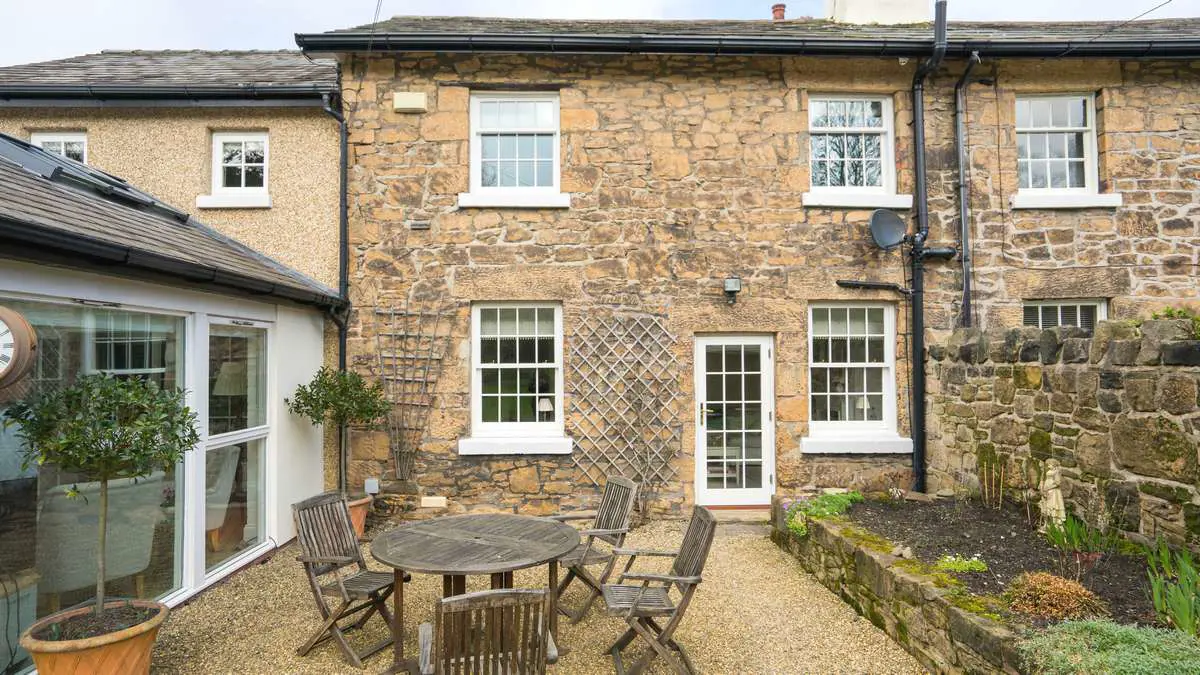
(1046, 596)
(821, 506)
(958, 563)
(1080, 546)
(1180, 313)
(1093, 647)
(1175, 588)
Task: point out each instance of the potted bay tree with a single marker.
(102, 430)
(341, 399)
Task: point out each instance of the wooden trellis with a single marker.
(410, 346)
(624, 386)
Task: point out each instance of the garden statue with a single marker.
(1052, 507)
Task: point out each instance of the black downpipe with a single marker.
(339, 319)
(964, 188)
(917, 358)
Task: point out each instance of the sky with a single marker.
(40, 30)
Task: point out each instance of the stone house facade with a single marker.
(649, 184)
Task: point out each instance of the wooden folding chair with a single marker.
(500, 632)
(328, 546)
(610, 524)
(641, 604)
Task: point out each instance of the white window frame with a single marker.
(854, 196)
(1089, 195)
(1101, 305)
(222, 197)
(513, 197)
(515, 438)
(858, 437)
(40, 138)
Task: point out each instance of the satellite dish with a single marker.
(887, 229)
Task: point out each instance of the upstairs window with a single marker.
(1078, 313)
(851, 141)
(240, 172)
(514, 150)
(1056, 143)
(69, 144)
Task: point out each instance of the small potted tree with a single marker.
(342, 399)
(102, 429)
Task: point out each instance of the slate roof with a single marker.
(53, 207)
(150, 71)
(411, 32)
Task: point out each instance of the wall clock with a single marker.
(18, 347)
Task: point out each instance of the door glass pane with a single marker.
(237, 378)
(753, 476)
(233, 490)
(48, 541)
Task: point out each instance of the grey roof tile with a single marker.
(179, 69)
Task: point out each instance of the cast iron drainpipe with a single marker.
(964, 187)
(343, 265)
(917, 358)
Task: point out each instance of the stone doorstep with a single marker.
(952, 639)
(762, 515)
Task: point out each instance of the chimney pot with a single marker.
(778, 11)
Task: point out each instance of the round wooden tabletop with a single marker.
(476, 544)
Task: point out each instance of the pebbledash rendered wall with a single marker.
(684, 171)
(1117, 410)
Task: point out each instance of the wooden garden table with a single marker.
(495, 544)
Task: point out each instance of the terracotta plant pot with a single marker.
(125, 652)
(359, 507)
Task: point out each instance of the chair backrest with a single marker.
(693, 552)
(616, 507)
(323, 529)
(500, 631)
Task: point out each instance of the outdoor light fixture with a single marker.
(733, 286)
(371, 486)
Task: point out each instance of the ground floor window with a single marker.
(1053, 313)
(48, 540)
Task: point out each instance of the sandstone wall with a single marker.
(686, 170)
(1117, 410)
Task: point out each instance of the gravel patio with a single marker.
(756, 612)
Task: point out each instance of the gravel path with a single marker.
(756, 612)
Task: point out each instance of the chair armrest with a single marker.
(665, 578)
(575, 515)
(425, 647)
(639, 551)
(586, 533)
(317, 559)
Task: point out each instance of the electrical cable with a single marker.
(1117, 27)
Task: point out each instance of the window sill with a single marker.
(234, 201)
(516, 445)
(1025, 200)
(856, 200)
(515, 200)
(859, 445)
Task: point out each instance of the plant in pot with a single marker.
(101, 429)
(342, 399)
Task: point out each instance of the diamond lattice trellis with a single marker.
(622, 412)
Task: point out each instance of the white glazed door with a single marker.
(735, 421)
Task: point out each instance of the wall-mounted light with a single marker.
(371, 486)
(733, 286)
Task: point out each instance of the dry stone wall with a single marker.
(1118, 411)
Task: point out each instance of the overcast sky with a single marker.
(39, 30)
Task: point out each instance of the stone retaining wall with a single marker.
(909, 607)
(1118, 410)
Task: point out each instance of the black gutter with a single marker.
(44, 243)
(737, 45)
(918, 253)
(133, 91)
(340, 318)
(964, 189)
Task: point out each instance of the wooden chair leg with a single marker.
(214, 540)
(326, 627)
(655, 640)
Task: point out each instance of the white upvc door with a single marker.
(735, 420)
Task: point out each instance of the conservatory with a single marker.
(113, 281)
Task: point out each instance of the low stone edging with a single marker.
(913, 611)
